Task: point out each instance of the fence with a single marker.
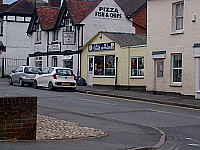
(8, 64)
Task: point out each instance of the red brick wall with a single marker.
(141, 19)
(1, 2)
(18, 116)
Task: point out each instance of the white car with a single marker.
(55, 77)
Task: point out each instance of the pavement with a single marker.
(142, 95)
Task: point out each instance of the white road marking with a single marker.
(196, 145)
(174, 113)
(82, 99)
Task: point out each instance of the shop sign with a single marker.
(54, 47)
(68, 38)
(108, 13)
(101, 47)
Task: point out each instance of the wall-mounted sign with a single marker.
(68, 38)
(54, 47)
(101, 47)
(108, 12)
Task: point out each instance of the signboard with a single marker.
(101, 46)
(108, 13)
(54, 47)
(68, 38)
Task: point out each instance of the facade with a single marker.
(76, 23)
(136, 12)
(173, 49)
(14, 21)
(113, 58)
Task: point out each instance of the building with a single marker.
(136, 12)
(173, 49)
(14, 21)
(113, 58)
(77, 22)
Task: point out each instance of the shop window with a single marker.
(178, 16)
(55, 35)
(137, 66)
(104, 65)
(176, 68)
(38, 62)
(68, 63)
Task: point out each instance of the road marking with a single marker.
(196, 145)
(173, 113)
(82, 99)
(139, 101)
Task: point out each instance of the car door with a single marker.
(49, 76)
(19, 74)
(41, 79)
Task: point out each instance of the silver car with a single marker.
(23, 75)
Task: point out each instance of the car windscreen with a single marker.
(31, 70)
(64, 72)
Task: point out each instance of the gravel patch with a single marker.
(49, 128)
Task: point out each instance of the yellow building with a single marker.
(111, 58)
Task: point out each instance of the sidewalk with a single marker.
(169, 99)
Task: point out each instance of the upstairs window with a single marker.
(1, 28)
(68, 25)
(55, 35)
(178, 16)
(38, 33)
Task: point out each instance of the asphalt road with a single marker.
(127, 122)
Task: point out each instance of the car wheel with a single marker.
(51, 87)
(35, 85)
(21, 83)
(10, 81)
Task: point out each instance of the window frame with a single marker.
(38, 33)
(104, 66)
(55, 35)
(175, 17)
(38, 59)
(176, 68)
(131, 76)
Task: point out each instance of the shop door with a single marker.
(90, 71)
(159, 74)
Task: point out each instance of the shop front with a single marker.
(107, 61)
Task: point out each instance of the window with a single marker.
(137, 66)
(176, 68)
(1, 28)
(104, 65)
(38, 62)
(178, 16)
(68, 63)
(55, 35)
(54, 61)
(38, 33)
(68, 25)
(45, 71)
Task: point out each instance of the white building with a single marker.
(77, 21)
(173, 52)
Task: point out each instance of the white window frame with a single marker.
(131, 76)
(175, 17)
(69, 26)
(38, 33)
(55, 35)
(104, 63)
(38, 59)
(1, 28)
(176, 68)
(53, 60)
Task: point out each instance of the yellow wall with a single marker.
(123, 54)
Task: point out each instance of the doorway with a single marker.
(90, 70)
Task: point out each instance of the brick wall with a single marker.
(141, 22)
(18, 116)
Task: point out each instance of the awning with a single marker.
(66, 52)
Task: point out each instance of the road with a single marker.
(128, 123)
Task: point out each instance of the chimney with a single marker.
(54, 3)
(1, 2)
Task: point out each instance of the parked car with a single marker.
(55, 77)
(23, 75)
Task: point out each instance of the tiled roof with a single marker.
(130, 6)
(48, 16)
(127, 39)
(23, 7)
(80, 9)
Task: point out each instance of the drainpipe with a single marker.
(78, 68)
(47, 48)
(128, 66)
